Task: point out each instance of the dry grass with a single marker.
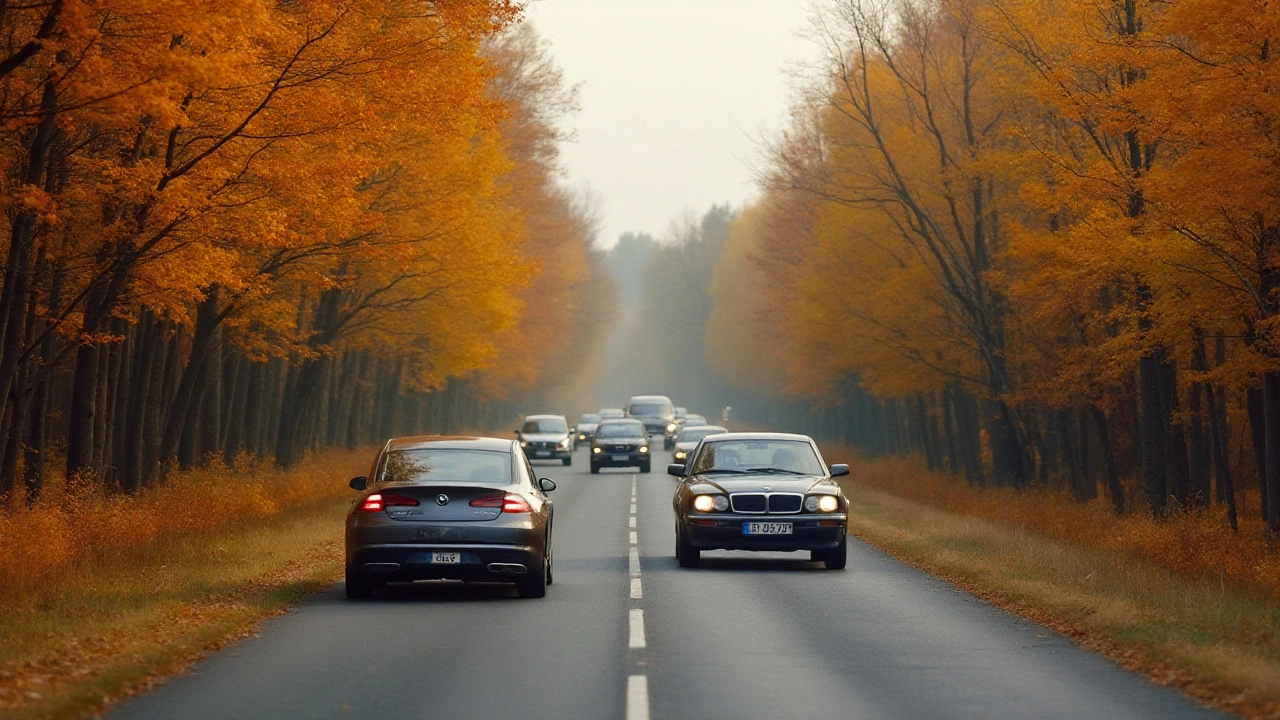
(100, 596)
(1185, 601)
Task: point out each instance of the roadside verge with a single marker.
(1215, 639)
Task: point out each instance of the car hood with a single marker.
(687, 446)
(758, 483)
(543, 437)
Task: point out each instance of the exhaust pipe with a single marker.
(508, 568)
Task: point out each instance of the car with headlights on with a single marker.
(546, 437)
(657, 413)
(459, 508)
(585, 430)
(621, 443)
(693, 420)
(763, 492)
(687, 438)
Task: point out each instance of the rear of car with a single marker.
(621, 443)
(657, 413)
(449, 508)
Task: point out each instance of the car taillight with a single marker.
(514, 504)
(488, 501)
(378, 502)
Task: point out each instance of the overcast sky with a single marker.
(674, 94)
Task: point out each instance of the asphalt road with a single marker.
(745, 636)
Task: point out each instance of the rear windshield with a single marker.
(545, 425)
(741, 456)
(431, 465)
(620, 430)
(589, 418)
(695, 434)
(650, 409)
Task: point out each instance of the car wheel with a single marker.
(595, 469)
(550, 561)
(836, 557)
(645, 467)
(686, 554)
(567, 461)
(358, 588)
(534, 585)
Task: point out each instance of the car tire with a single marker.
(687, 555)
(595, 469)
(646, 467)
(358, 588)
(838, 556)
(534, 585)
(567, 461)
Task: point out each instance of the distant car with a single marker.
(760, 491)
(694, 420)
(612, 413)
(459, 508)
(621, 443)
(546, 437)
(681, 413)
(586, 428)
(687, 438)
(657, 413)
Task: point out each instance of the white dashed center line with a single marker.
(632, 522)
(636, 593)
(637, 685)
(637, 630)
(637, 697)
(633, 537)
(633, 562)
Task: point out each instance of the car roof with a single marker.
(759, 436)
(649, 398)
(449, 442)
(543, 417)
(721, 428)
(621, 421)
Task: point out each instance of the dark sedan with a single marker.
(759, 491)
(457, 508)
(621, 443)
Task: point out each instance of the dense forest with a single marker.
(1037, 243)
(269, 229)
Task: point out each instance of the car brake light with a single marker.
(514, 504)
(373, 503)
(399, 500)
(488, 501)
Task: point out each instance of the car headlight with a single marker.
(595, 450)
(671, 427)
(704, 503)
(644, 448)
(564, 443)
(680, 455)
(581, 436)
(524, 444)
(721, 503)
(822, 503)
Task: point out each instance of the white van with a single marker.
(656, 412)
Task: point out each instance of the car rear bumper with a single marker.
(409, 562)
(726, 533)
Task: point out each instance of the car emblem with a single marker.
(767, 488)
(442, 499)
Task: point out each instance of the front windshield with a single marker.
(620, 430)
(692, 420)
(649, 410)
(790, 457)
(607, 414)
(588, 419)
(697, 433)
(446, 465)
(544, 425)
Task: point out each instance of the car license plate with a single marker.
(619, 458)
(766, 528)
(543, 453)
(447, 558)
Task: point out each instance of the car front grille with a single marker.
(541, 446)
(762, 503)
(620, 448)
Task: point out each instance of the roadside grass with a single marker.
(1211, 630)
(144, 585)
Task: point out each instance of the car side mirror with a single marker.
(358, 482)
(675, 470)
(517, 432)
(547, 484)
(839, 469)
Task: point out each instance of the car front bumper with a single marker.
(557, 453)
(724, 532)
(613, 459)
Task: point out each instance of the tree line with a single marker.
(272, 228)
(1036, 242)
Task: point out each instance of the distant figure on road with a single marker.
(724, 414)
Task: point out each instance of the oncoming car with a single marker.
(620, 443)
(546, 437)
(449, 507)
(760, 491)
(687, 439)
(586, 428)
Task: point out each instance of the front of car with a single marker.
(762, 492)
(449, 508)
(546, 437)
(586, 428)
(688, 437)
(621, 443)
